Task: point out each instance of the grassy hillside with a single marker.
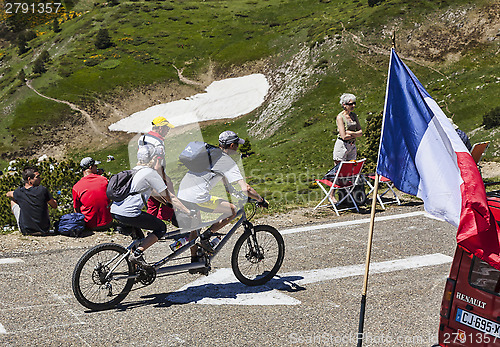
(347, 43)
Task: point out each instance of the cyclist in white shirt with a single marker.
(148, 182)
(194, 189)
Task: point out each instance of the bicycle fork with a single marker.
(254, 250)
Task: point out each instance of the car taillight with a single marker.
(449, 291)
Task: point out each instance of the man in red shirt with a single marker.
(89, 197)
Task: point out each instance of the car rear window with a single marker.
(484, 276)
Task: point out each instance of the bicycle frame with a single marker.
(158, 266)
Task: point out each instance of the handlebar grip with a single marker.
(263, 203)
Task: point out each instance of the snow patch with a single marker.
(223, 99)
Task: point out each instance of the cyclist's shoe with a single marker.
(206, 245)
(137, 258)
(202, 270)
(204, 241)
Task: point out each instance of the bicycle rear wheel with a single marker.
(255, 260)
(94, 286)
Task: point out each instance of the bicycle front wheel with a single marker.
(257, 258)
(101, 277)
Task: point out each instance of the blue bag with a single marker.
(200, 156)
(71, 224)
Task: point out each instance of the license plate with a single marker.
(479, 323)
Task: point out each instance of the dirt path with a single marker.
(72, 106)
(184, 79)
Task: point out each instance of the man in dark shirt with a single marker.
(29, 203)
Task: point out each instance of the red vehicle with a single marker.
(470, 311)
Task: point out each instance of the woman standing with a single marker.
(349, 129)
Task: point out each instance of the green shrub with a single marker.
(39, 66)
(55, 26)
(103, 40)
(492, 118)
(372, 3)
(372, 135)
(246, 148)
(22, 46)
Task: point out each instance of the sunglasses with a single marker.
(351, 103)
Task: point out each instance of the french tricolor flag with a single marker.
(423, 155)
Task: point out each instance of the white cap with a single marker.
(227, 137)
(145, 153)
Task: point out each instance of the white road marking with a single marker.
(2, 329)
(352, 222)
(313, 276)
(10, 260)
(222, 288)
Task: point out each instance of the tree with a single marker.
(372, 3)
(492, 118)
(39, 66)
(21, 76)
(103, 40)
(246, 148)
(45, 56)
(55, 25)
(22, 45)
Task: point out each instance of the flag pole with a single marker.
(367, 266)
(370, 240)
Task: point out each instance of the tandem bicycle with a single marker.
(104, 276)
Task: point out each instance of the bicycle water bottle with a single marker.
(179, 243)
(215, 241)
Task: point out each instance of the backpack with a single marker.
(200, 156)
(71, 224)
(119, 185)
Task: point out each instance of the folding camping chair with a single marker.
(346, 178)
(390, 188)
(478, 150)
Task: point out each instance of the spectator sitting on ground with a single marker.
(29, 203)
(89, 197)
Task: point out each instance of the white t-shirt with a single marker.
(144, 181)
(195, 187)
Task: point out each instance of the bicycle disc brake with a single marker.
(254, 255)
(99, 274)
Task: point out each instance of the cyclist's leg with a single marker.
(227, 209)
(218, 205)
(214, 205)
(145, 221)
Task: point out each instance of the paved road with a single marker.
(410, 261)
